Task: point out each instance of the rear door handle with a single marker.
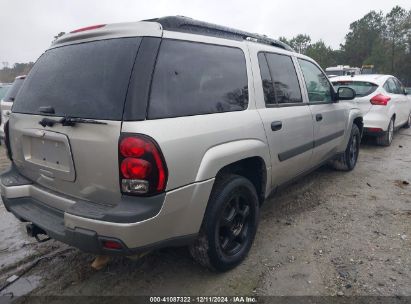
(318, 117)
(276, 125)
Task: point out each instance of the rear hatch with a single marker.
(66, 120)
(363, 90)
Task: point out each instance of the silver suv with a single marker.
(168, 132)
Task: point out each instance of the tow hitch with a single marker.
(35, 231)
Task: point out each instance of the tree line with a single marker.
(7, 74)
(381, 40)
(376, 39)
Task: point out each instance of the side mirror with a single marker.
(405, 92)
(345, 93)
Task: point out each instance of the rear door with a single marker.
(397, 101)
(329, 117)
(403, 100)
(87, 81)
(287, 119)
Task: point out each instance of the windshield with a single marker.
(3, 90)
(87, 80)
(13, 90)
(361, 88)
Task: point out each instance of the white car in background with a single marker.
(7, 102)
(385, 104)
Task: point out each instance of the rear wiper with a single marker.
(71, 121)
(68, 121)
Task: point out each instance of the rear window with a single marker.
(361, 88)
(87, 80)
(194, 78)
(13, 90)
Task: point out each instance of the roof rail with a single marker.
(189, 25)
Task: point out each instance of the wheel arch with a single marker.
(354, 117)
(249, 158)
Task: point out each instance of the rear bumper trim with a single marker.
(52, 221)
(175, 221)
(130, 209)
(366, 132)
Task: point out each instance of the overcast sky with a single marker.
(27, 27)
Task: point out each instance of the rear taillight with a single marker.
(87, 28)
(112, 245)
(380, 100)
(374, 130)
(142, 167)
(7, 140)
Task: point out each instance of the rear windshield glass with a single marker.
(13, 90)
(361, 88)
(87, 80)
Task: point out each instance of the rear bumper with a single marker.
(138, 224)
(373, 133)
(376, 118)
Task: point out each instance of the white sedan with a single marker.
(385, 104)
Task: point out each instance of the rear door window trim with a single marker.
(301, 88)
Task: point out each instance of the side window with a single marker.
(280, 82)
(318, 87)
(400, 87)
(269, 96)
(389, 86)
(193, 78)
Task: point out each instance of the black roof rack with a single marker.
(189, 25)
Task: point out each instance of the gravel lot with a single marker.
(331, 233)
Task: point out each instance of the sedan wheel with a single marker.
(408, 124)
(386, 139)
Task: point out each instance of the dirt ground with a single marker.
(331, 233)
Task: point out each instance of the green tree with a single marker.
(396, 32)
(321, 53)
(300, 43)
(363, 36)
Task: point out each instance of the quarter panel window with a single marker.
(193, 78)
(318, 87)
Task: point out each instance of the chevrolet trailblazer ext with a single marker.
(165, 132)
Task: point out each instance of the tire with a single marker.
(348, 160)
(386, 138)
(229, 225)
(408, 124)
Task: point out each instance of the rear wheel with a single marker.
(408, 124)
(229, 225)
(348, 160)
(386, 139)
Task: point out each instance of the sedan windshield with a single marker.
(361, 88)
